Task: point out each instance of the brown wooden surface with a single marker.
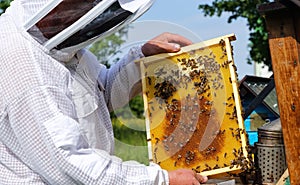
(284, 33)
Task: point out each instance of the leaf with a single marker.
(258, 40)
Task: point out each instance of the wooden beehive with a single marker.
(283, 25)
(193, 110)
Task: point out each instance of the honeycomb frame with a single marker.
(192, 109)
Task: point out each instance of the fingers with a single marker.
(200, 178)
(156, 47)
(195, 182)
(175, 38)
(173, 42)
(164, 46)
(165, 43)
(186, 177)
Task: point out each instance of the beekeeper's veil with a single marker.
(68, 25)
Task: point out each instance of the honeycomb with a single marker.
(193, 110)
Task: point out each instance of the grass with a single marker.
(130, 140)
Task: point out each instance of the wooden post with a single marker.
(283, 24)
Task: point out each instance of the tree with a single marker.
(3, 5)
(108, 47)
(258, 41)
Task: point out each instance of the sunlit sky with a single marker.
(184, 17)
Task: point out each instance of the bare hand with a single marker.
(165, 43)
(185, 177)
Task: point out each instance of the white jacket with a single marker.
(54, 116)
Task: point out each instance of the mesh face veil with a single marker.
(69, 25)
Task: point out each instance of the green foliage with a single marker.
(3, 5)
(258, 40)
(108, 47)
(134, 109)
(137, 106)
(129, 129)
(130, 144)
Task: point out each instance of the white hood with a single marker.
(79, 22)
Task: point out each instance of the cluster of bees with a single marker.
(186, 116)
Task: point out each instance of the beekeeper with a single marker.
(55, 97)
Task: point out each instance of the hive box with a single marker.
(193, 110)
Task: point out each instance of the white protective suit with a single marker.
(54, 103)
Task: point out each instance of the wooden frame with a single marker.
(193, 111)
(283, 24)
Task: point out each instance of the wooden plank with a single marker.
(270, 7)
(284, 30)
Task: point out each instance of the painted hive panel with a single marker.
(193, 110)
